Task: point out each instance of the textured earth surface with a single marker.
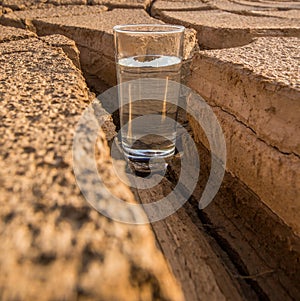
(255, 92)
(223, 24)
(54, 245)
(243, 58)
(9, 34)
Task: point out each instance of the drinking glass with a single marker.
(148, 60)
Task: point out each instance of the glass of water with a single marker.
(148, 59)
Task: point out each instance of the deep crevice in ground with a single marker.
(235, 263)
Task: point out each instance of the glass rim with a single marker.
(132, 28)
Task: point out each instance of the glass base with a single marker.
(148, 161)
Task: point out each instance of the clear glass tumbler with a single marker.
(148, 59)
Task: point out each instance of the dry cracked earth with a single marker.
(242, 57)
